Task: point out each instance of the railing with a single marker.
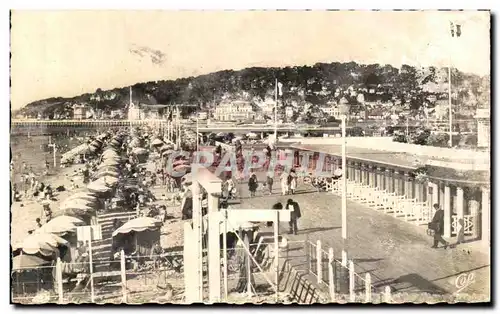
(468, 224)
(134, 279)
(342, 281)
(409, 209)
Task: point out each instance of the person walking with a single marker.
(293, 181)
(252, 184)
(437, 224)
(284, 183)
(277, 206)
(269, 183)
(294, 215)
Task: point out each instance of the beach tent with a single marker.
(138, 235)
(25, 261)
(45, 244)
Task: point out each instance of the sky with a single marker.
(68, 53)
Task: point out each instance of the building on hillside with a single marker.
(234, 110)
(149, 112)
(289, 111)
(202, 115)
(483, 127)
(134, 112)
(331, 109)
(80, 111)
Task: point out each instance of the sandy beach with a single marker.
(24, 213)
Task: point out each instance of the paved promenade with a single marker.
(393, 251)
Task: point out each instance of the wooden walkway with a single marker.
(393, 251)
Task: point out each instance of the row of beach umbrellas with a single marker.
(86, 148)
(46, 240)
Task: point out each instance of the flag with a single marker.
(280, 89)
(456, 29)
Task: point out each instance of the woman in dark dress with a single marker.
(252, 184)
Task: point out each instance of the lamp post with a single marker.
(344, 108)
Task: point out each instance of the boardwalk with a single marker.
(393, 251)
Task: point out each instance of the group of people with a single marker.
(288, 183)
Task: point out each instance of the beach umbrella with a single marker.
(104, 173)
(76, 204)
(138, 225)
(109, 153)
(108, 180)
(181, 162)
(101, 185)
(43, 243)
(60, 225)
(111, 162)
(66, 219)
(87, 196)
(139, 151)
(78, 213)
(165, 148)
(156, 142)
(102, 167)
(181, 168)
(96, 144)
(24, 261)
(114, 142)
(167, 152)
(136, 142)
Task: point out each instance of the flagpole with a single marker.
(449, 84)
(276, 111)
(449, 101)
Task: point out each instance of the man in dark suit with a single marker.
(437, 224)
(294, 215)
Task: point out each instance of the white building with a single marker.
(234, 110)
(331, 109)
(79, 112)
(483, 127)
(135, 112)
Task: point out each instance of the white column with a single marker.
(447, 212)
(435, 194)
(371, 177)
(408, 186)
(389, 180)
(397, 182)
(460, 203)
(485, 217)
(214, 249)
(197, 230)
(460, 211)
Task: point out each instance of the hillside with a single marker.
(316, 85)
